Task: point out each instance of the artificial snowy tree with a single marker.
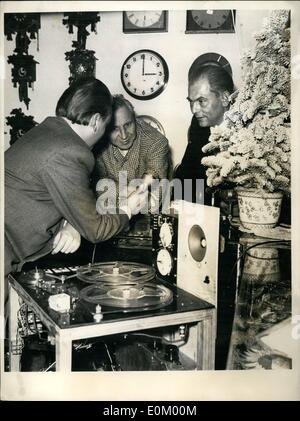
(251, 148)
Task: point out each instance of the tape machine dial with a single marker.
(164, 245)
(164, 262)
(166, 234)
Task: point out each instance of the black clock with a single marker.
(210, 21)
(144, 74)
(215, 59)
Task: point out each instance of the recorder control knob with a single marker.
(98, 316)
(206, 279)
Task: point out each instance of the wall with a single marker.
(111, 47)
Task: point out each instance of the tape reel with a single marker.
(116, 273)
(144, 297)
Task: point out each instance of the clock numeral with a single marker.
(159, 73)
(128, 84)
(134, 89)
(134, 59)
(157, 64)
(126, 75)
(142, 56)
(151, 58)
(128, 66)
(152, 89)
(157, 83)
(143, 92)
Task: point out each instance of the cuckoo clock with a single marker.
(23, 73)
(82, 64)
(21, 24)
(20, 124)
(81, 20)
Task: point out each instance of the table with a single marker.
(78, 323)
(263, 305)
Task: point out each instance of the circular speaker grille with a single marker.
(197, 243)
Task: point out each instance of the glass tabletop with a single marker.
(263, 303)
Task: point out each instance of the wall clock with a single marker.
(145, 21)
(153, 122)
(210, 21)
(211, 58)
(144, 74)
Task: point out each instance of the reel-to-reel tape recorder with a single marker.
(174, 306)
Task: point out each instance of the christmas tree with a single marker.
(251, 148)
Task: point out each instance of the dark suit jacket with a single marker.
(191, 167)
(47, 178)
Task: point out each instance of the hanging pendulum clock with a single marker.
(81, 20)
(24, 65)
(21, 24)
(82, 61)
(23, 74)
(19, 123)
(82, 64)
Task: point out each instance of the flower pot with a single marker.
(262, 265)
(258, 209)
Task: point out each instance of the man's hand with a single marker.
(67, 240)
(137, 200)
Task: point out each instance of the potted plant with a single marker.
(251, 148)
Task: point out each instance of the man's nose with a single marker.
(123, 134)
(195, 107)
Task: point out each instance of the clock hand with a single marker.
(143, 74)
(149, 74)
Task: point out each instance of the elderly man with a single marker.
(133, 147)
(47, 179)
(208, 94)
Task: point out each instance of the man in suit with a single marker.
(208, 94)
(47, 180)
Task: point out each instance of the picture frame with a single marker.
(210, 21)
(145, 21)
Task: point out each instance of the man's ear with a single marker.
(95, 121)
(225, 98)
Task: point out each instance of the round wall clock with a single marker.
(144, 74)
(211, 58)
(153, 122)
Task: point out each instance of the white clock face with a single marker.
(144, 19)
(144, 74)
(210, 19)
(164, 262)
(165, 234)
